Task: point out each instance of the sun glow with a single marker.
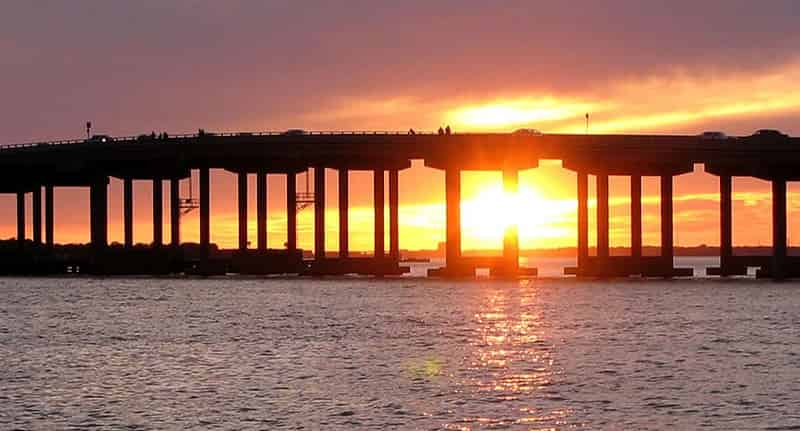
(504, 114)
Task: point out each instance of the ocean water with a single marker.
(274, 354)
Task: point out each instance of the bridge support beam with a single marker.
(726, 224)
(48, 216)
(242, 200)
(98, 202)
(344, 210)
(261, 210)
(636, 217)
(583, 221)
(779, 245)
(319, 213)
(379, 208)
(37, 215)
(127, 211)
(511, 234)
(158, 213)
(394, 215)
(667, 249)
(602, 216)
(21, 219)
(175, 212)
(453, 263)
(291, 211)
(205, 215)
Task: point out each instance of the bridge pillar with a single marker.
(319, 213)
(778, 228)
(175, 212)
(291, 211)
(636, 217)
(394, 215)
(726, 224)
(127, 211)
(98, 202)
(602, 216)
(37, 215)
(21, 219)
(511, 235)
(205, 214)
(667, 249)
(379, 207)
(344, 209)
(453, 203)
(158, 213)
(48, 215)
(583, 221)
(261, 210)
(242, 200)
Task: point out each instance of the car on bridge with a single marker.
(527, 132)
(100, 139)
(769, 133)
(713, 136)
(295, 132)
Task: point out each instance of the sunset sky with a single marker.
(634, 66)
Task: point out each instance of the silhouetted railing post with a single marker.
(344, 209)
(158, 213)
(778, 228)
(291, 211)
(511, 234)
(261, 210)
(667, 249)
(725, 223)
(127, 211)
(379, 207)
(242, 201)
(583, 221)
(37, 215)
(636, 217)
(319, 213)
(602, 216)
(394, 215)
(48, 216)
(453, 202)
(21, 219)
(175, 211)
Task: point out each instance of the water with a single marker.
(398, 354)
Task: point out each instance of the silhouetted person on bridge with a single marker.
(447, 130)
(411, 132)
(152, 135)
(441, 131)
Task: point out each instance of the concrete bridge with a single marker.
(31, 168)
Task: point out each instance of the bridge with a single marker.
(33, 167)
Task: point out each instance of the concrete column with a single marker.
(127, 211)
(602, 216)
(205, 212)
(242, 199)
(583, 219)
(511, 236)
(175, 212)
(158, 213)
(778, 228)
(319, 212)
(667, 252)
(453, 202)
(725, 222)
(636, 216)
(394, 215)
(98, 197)
(48, 216)
(291, 211)
(261, 210)
(344, 210)
(21, 219)
(37, 215)
(379, 207)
